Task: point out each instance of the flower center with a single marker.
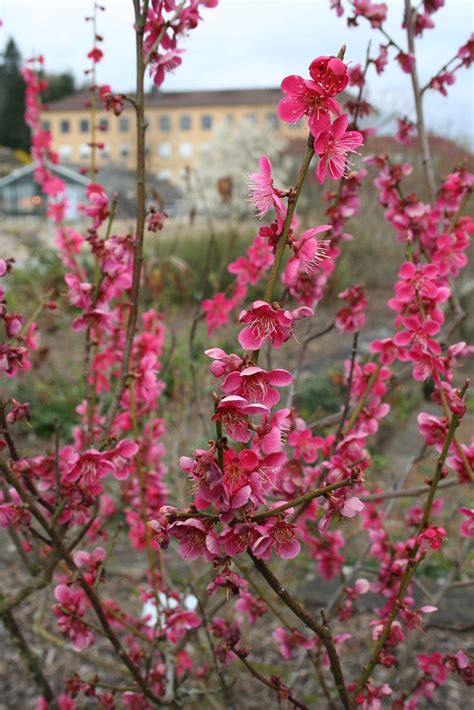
(264, 326)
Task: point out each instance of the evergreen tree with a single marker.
(59, 85)
(14, 133)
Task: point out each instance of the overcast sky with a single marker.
(251, 43)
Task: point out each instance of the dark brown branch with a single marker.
(420, 120)
(322, 631)
(347, 403)
(29, 658)
(93, 597)
(269, 683)
(140, 222)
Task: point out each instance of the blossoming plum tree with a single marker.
(265, 487)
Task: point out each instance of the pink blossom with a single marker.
(405, 129)
(90, 467)
(12, 510)
(161, 64)
(467, 526)
(179, 622)
(330, 73)
(277, 535)
(95, 54)
(381, 61)
(236, 539)
(372, 696)
(387, 350)
(262, 193)
(433, 666)
(70, 609)
(306, 98)
(376, 13)
(234, 414)
(308, 253)
(195, 539)
(356, 75)
(433, 536)
(13, 323)
(205, 472)
(433, 429)
(333, 146)
(228, 580)
(250, 269)
(238, 468)
(120, 457)
(406, 61)
(97, 206)
(270, 434)
(306, 445)
(268, 322)
(466, 52)
(289, 641)
(253, 607)
(441, 81)
(340, 507)
(223, 364)
(217, 310)
(256, 385)
(352, 317)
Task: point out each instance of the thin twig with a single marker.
(347, 403)
(269, 683)
(30, 659)
(321, 631)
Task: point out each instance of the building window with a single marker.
(104, 152)
(84, 150)
(164, 150)
(84, 125)
(124, 124)
(164, 174)
(250, 119)
(185, 122)
(206, 122)
(124, 150)
(103, 125)
(229, 120)
(185, 150)
(64, 126)
(272, 120)
(65, 152)
(45, 125)
(165, 123)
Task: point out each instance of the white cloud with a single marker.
(246, 43)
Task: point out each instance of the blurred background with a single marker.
(206, 130)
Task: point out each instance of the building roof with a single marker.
(60, 170)
(182, 99)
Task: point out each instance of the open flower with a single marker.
(233, 412)
(306, 98)
(268, 322)
(330, 73)
(262, 193)
(333, 146)
(257, 385)
(278, 535)
(308, 253)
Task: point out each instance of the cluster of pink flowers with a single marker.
(167, 22)
(314, 98)
(20, 339)
(266, 485)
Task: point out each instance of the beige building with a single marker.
(181, 126)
